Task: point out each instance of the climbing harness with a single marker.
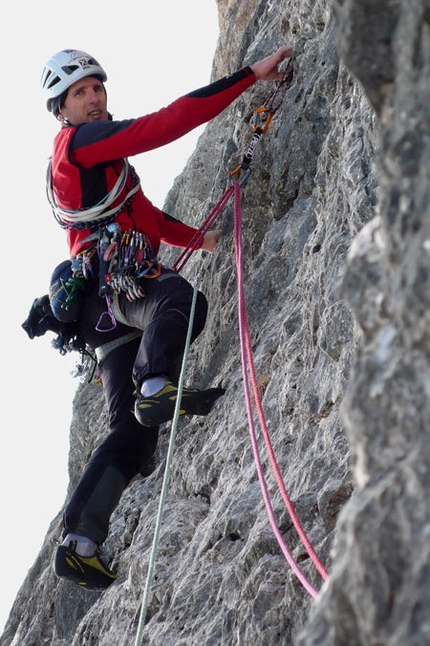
(125, 258)
(103, 350)
(129, 257)
(165, 484)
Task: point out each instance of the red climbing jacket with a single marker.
(87, 162)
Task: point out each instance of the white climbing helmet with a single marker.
(65, 68)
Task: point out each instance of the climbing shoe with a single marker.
(89, 572)
(160, 408)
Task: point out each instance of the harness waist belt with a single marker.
(103, 350)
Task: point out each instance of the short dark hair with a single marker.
(58, 102)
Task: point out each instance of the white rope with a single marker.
(155, 542)
(93, 213)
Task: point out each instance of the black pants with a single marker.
(163, 316)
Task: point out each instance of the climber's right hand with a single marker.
(267, 68)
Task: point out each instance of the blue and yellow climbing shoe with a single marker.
(88, 572)
(160, 408)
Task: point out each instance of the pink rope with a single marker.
(246, 351)
(199, 235)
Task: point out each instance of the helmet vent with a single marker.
(69, 69)
(53, 82)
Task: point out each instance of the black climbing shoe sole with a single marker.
(160, 408)
(88, 572)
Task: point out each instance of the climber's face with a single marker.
(86, 101)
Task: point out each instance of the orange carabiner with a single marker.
(236, 171)
(267, 122)
(153, 271)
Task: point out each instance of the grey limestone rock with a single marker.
(336, 241)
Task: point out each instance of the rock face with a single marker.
(336, 244)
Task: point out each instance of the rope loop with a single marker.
(248, 363)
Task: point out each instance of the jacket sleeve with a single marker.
(103, 141)
(174, 232)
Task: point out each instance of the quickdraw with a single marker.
(242, 172)
(264, 113)
(130, 257)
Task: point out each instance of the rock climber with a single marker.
(127, 307)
